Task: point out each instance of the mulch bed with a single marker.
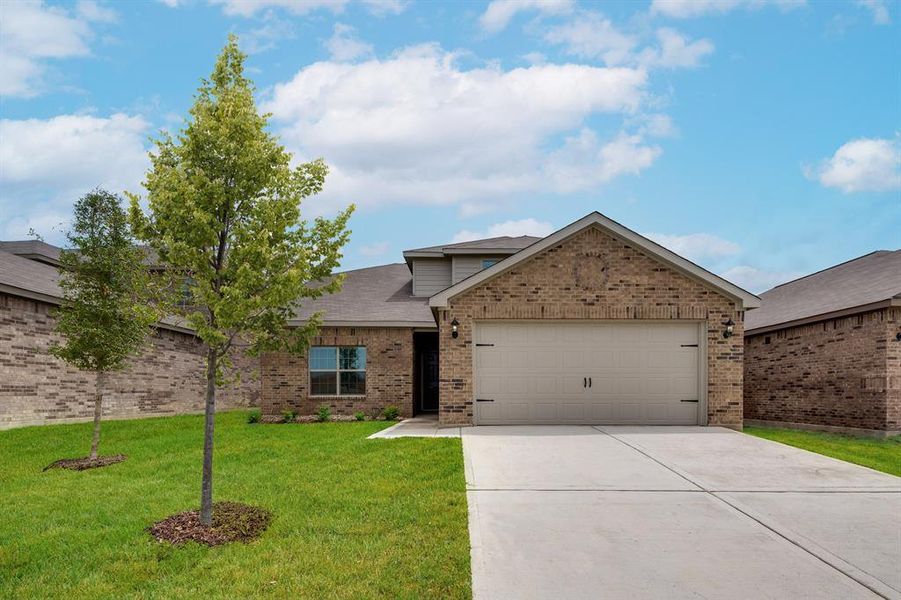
(232, 522)
(81, 464)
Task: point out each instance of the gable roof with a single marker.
(32, 249)
(376, 296)
(28, 278)
(496, 245)
(745, 300)
(864, 283)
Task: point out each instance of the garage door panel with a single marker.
(535, 372)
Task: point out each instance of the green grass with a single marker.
(880, 454)
(353, 518)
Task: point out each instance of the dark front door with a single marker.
(428, 380)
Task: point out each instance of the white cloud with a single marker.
(417, 128)
(33, 33)
(45, 164)
(592, 35)
(376, 249)
(170, 3)
(758, 280)
(508, 228)
(266, 36)
(344, 45)
(675, 51)
(386, 7)
(863, 165)
(879, 8)
(499, 12)
(686, 9)
(248, 8)
(696, 246)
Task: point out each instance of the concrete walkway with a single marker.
(422, 426)
(674, 512)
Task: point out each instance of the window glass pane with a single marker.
(323, 383)
(353, 358)
(488, 262)
(323, 358)
(353, 382)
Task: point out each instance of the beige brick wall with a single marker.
(842, 372)
(389, 374)
(590, 276)
(166, 379)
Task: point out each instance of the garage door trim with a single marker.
(702, 352)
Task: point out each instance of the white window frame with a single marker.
(337, 370)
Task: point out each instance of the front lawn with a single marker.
(352, 518)
(882, 455)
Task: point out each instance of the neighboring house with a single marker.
(592, 324)
(825, 350)
(36, 388)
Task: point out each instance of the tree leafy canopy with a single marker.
(106, 311)
(224, 209)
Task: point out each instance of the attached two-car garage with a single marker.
(551, 372)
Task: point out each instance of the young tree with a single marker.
(224, 210)
(105, 315)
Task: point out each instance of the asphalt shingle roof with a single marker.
(496, 243)
(872, 278)
(382, 294)
(29, 275)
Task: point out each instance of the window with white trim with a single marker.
(337, 370)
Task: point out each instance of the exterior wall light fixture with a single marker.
(455, 328)
(729, 330)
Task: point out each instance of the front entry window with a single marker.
(338, 370)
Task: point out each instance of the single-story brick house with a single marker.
(36, 388)
(824, 351)
(591, 324)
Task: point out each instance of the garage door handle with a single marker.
(484, 399)
(689, 345)
(687, 400)
(589, 382)
(584, 382)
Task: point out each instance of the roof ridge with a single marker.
(850, 260)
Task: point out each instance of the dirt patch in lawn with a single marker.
(81, 464)
(232, 522)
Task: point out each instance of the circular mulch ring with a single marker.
(81, 464)
(232, 522)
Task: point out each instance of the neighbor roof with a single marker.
(376, 296)
(744, 299)
(496, 245)
(865, 283)
(29, 278)
(33, 249)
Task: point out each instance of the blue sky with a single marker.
(760, 138)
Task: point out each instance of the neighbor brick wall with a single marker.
(593, 275)
(167, 378)
(843, 372)
(389, 374)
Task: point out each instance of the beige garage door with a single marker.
(595, 373)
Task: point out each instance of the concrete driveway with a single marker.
(674, 512)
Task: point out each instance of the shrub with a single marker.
(390, 412)
(323, 414)
(360, 415)
(289, 416)
(254, 415)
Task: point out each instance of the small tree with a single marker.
(105, 315)
(224, 210)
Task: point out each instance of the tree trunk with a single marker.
(206, 486)
(98, 408)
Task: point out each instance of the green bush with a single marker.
(254, 415)
(360, 415)
(323, 414)
(390, 412)
(289, 416)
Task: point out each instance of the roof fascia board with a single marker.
(745, 299)
(835, 314)
(386, 324)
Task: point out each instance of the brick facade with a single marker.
(389, 374)
(167, 378)
(844, 372)
(592, 275)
